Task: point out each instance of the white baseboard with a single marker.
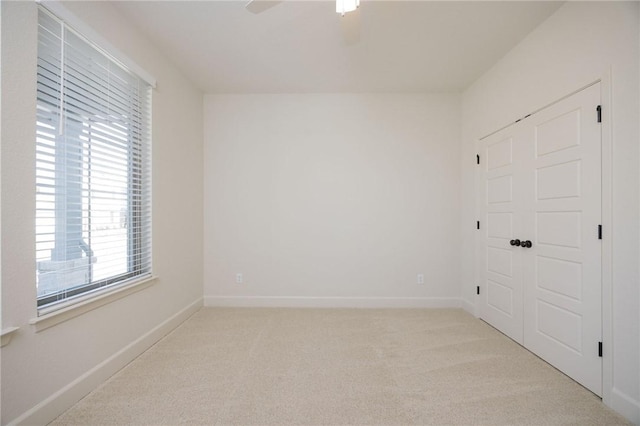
(56, 404)
(625, 405)
(469, 307)
(330, 302)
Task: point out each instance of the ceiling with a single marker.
(305, 46)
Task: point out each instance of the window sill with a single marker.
(79, 307)
(7, 334)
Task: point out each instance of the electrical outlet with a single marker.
(239, 278)
(420, 279)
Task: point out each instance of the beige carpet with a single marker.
(334, 367)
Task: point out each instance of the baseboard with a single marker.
(469, 307)
(625, 406)
(331, 302)
(56, 404)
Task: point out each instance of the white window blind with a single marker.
(93, 171)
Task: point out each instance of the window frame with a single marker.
(139, 216)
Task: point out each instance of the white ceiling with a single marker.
(304, 46)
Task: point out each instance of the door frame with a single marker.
(607, 225)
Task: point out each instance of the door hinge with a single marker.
(599, 232)
(600, 349)
(478, 290)
(477, 224)
(477, 158)
(599, 110)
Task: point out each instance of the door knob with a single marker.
(526, 244)
(514, 242)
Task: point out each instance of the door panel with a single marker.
(562, 271)
(499, 154)
(501, 303)
(560, 276)
(499, 190)
(558, 181)
(558, 133)
(499, 261)
(560, 325)
(557, 228)
(541, 181)
(499, 225)
(500, 297)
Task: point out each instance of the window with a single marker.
(93, 199)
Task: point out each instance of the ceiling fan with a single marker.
(259, 6)
(350, 22)
(342, 6)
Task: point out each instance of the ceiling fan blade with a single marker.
(351, 28)
(259, 6)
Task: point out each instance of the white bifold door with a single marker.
(539, 249)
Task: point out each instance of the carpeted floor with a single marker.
(336, 367)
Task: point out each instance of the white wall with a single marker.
(43, 373)
(319, 200)
(331, 200)
(579, 44)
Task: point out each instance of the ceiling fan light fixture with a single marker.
(344, 6)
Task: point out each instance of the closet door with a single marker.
(539, 186)
(499, 262)
(561, 215)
